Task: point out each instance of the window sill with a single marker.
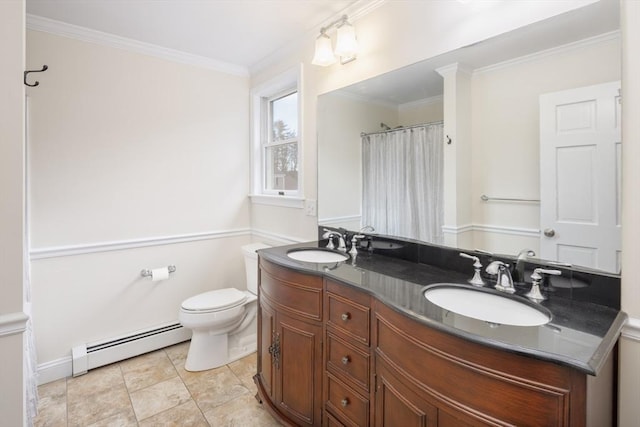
(282, 201)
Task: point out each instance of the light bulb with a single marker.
(324, 53)
(346, 44)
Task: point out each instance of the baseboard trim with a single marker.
(55, 370)
(117, 245)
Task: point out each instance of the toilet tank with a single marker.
(251, 264)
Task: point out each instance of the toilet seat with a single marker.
(212, 301)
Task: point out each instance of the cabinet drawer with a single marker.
(345, 359)
(346, 403)
(348, 317)
(291, 292)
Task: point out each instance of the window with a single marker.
(276, 142)
(280, 145)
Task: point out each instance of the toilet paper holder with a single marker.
(149, 273)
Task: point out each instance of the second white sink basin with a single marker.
(318, 255)
(486, 305)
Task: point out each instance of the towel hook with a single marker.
(44, 68)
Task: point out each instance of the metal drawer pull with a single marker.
(345, 360)
(346, 316)
(344, 402)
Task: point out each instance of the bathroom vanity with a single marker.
(356, 343)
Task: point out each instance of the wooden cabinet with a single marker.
(468, 383)
(289, 375)
(347, 355)
(331, 355)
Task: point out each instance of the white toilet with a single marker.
(223, 321)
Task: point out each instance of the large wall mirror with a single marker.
(534, 98)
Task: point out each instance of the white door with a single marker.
(580, 155)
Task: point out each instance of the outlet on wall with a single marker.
(310, 207)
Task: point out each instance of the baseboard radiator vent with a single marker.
(92, 355)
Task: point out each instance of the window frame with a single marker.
(261, 96)
(267, 141)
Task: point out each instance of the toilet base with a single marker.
(207, 351)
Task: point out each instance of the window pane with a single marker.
(284, 115)
(282, 167)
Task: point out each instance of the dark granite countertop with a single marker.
(580, 334)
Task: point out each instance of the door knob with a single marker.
(549, 232)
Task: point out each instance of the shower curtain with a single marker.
(403, 182)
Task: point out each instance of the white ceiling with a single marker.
(236, 32)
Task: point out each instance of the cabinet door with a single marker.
(266, 360)
(300, 370)
(398, 406)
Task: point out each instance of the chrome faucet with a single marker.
(330, 235)
(522, 256)
(504, 282)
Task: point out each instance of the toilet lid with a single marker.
(215, 300)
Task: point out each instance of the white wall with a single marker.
(341, 119)
(422, 111)
(630, 342)
(505, 132)
(12, 408)
(131, 150)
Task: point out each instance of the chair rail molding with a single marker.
(117, 245)
(13, 323)
(631, 329)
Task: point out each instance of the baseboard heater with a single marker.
(92, 355)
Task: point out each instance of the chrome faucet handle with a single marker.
(477, 279)
(536, 277)
(354, 243)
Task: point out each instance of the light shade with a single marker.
(324, 52)
(346, 43)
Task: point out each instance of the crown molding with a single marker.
(51, 26)
(565, 48)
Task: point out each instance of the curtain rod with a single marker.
(402, 128)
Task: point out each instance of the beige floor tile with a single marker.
(245, 369)
(188, 414)
(159, 397)
(148, 369)
(214, 387)
(122, 419)
(93, 407)
(178, 353)
(52, 404)
(243, 411)
(96, 381)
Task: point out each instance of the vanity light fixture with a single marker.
(346, 44)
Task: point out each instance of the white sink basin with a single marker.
(318, 255)
(485, 305)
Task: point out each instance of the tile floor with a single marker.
(155, 390)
